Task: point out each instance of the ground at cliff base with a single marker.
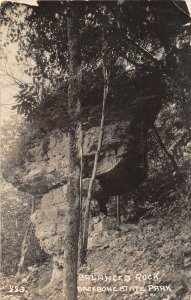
(147, 260)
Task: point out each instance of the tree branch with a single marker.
(170, 156)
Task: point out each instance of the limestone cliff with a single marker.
(122, 167)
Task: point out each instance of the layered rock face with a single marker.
(122, 167)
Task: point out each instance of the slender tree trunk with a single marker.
(118, 210)
(70, 261)
(26, 242)
(80, 240)
(90, 188)
(170, 156)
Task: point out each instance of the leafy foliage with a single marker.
(15, 216)
(131, 44)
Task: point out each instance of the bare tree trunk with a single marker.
(80, 240)
(118, 210)
(170, 156)
(90, 188)
(70, 260)
(26, 241)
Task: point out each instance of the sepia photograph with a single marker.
(95, 150)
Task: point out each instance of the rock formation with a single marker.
(122, 167)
